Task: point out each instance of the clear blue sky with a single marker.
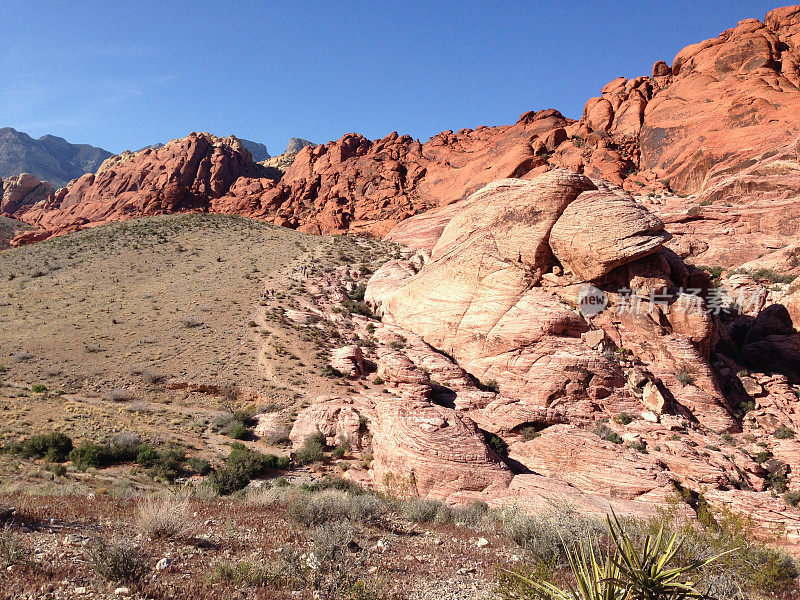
(122, 75)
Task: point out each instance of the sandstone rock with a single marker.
(21, 191)
(515, 216)
(349, 360)
(652, 398)
(335, 418)
(589, 463)
(432, 451)
(621, 231)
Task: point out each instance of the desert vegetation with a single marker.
(331, 538)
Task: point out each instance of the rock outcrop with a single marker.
(490, 297)
(21, 191)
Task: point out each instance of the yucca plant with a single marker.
(645, 573)
(625, 572)
(596, 578)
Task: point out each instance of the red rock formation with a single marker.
(720, 121)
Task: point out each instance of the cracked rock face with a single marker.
(602, 230)
(488, 299)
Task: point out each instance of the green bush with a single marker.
(792, 498)
(91, 455)
(169, 465)
(624, 418)
(199, 465)
(605, 432)
(147, 457)
(341, 450)
(496, 443)
(784, 433)
(312, 450)
(420, 510)
(237, 431)
(242, 466)
(121, 562)
(55, 447)
(38, 388)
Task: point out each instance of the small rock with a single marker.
(80, 591)
(482, 542)
(122, 591)
(163, 563)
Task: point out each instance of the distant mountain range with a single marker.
(54, 159)
(50, 158)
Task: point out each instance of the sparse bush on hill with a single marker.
(119, 562)
(420, 510)
(242, 466)
(13, 548)
(119, 394)
(54, 447)
(166, 516)
(312, 450)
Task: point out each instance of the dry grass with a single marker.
(165, 516)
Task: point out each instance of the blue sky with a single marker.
(123, 75)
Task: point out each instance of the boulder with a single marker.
(621, 231)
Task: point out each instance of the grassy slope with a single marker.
(132, 309)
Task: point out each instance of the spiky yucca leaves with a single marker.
(595, 578)
(626, 572)
(644, 572)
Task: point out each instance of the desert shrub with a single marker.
(778, 482)
(745, 569)
(169, 465)
(420, 510)
(496, 443)
(772, 276)
(167, 516)
(603, 431)
(38, 388)
(627, 569)
(277, 437)
(252, 573)
(55, 447)
(13, 549)
(147, 457)
(784, 433)
(237, 431)
(640, 446)
(199, 465)
(121, 562)
(792, 498)
(236, 425)
(333, 563)
(542, 536)
(624, 418)
(472, 515)
(489, 386)
(330, 482)
(331, 372)
(341, 450)
(91, 455)
(358, 292)
(316, 508)
(685, 376)
(118, 394)
(528, 433)
(312, 450)
(242, 466)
